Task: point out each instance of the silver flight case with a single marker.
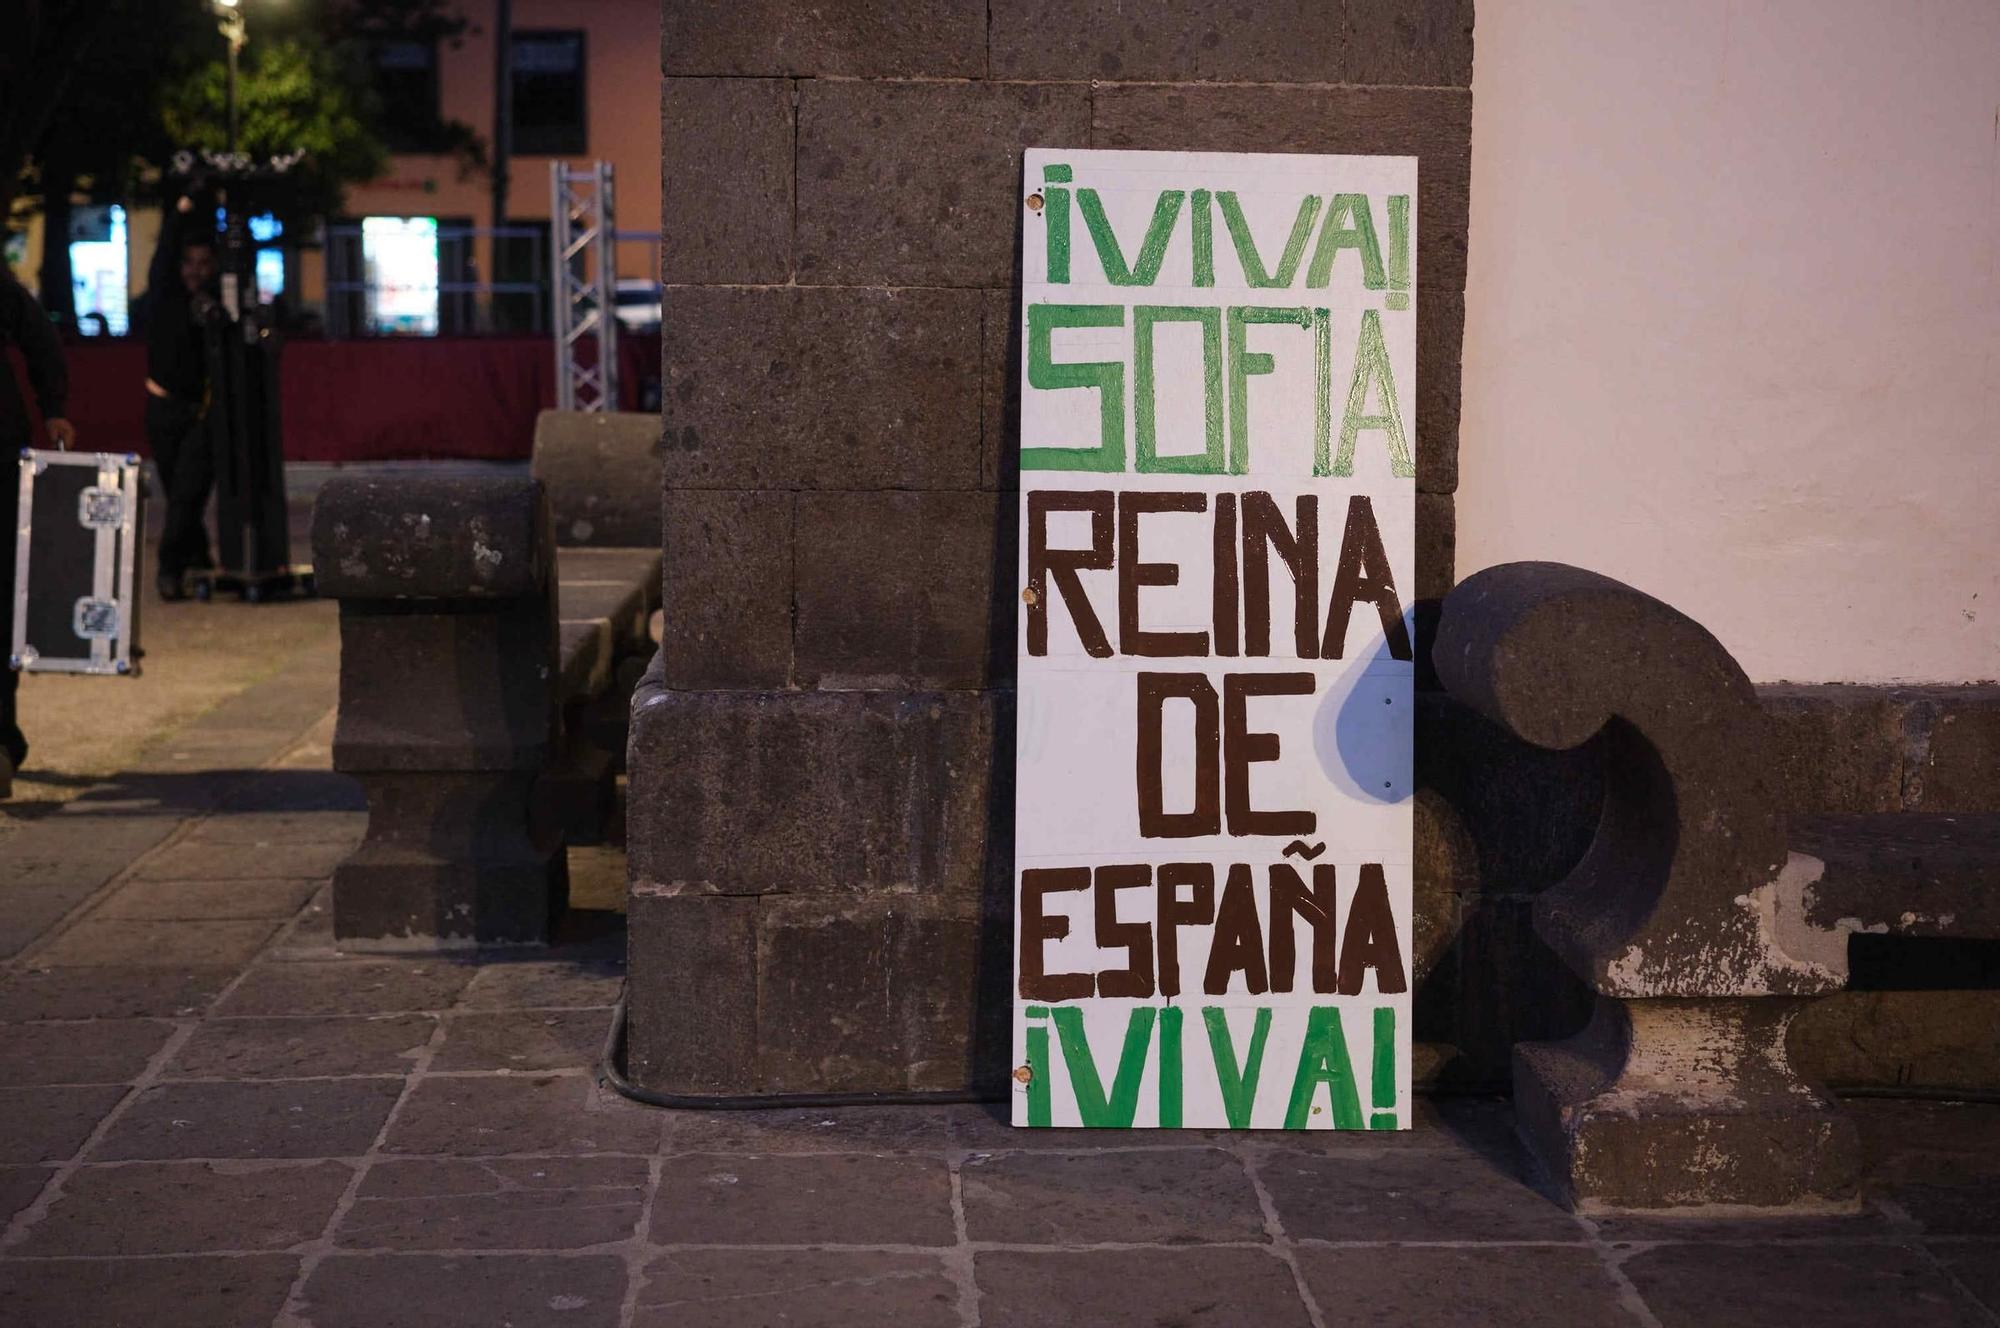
(76, 566)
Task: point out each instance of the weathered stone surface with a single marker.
(1199, 1287)
(1399, 1196)
(189, 1208)
(1432, 124)
(1167, 1196)
(1681, 1104)
(1910, 873)
(850, 1199)
(495, 1204)
(18, 1187)
(726, 173)
(1901, 1039)
(300, 1046)
(421, 536)
(1838, 748)
(148, 944)
(1415, 1287)
(728, 574)
(170, 901)
(348, 986)
(536, 985)
(869, 994)
(109, 993)
(288, 1118)
(450, 859)
(483, 1115)
(1292, 41)
(446, 691)
(931, 38)
(1748, 1286)
(466, 1291)
(1000, 392)
(1440, 353)
(523, 1040)
(786, 388)
(688, 1033)
(237, 1292)
(797, 1288)
(102, 1052)
(205, 861)
(1956, 767)
(601, 472)
(829, 792)
(900, 590)
(1437, 544)
(919, 184)
(48, 1124)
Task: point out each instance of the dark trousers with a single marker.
(11, 741)
(179, 442)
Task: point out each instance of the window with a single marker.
(548, 94)
(406, 80)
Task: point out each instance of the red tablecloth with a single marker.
(370, 400)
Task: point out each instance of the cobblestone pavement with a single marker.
(210, 1118)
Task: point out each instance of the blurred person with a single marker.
(177, 399)
(25, 326)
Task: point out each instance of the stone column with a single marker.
(820, 815)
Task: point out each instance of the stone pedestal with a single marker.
(448, 712)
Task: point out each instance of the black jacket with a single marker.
(24, 325)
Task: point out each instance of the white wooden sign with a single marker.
(1213, 832)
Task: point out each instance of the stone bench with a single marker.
(1704, 914)
(602, 475)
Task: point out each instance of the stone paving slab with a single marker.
(1393, 1286)
(465, 1291)
(1751, 1286)
(824, 1199)
(797, 1288)
(187, 1208)
(213, 1292)
(1198, 1286)
(544, 1203)
(252, 1048)
(108, 1051)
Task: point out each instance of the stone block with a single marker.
(347, 986)
(900, 589)
(445, 691)
(919, 184)
(1000, 390)
(112, 942)
(297, 1047)
(1291, 41)
(802, 388)
(1957, 766)
(924, 38)
(728, 599)
(814, 792)
(1437, 544)
(110, 1051)
(1432, 124)
(523, 1040)
(1738, 1285)
(601, 472)
(1838, 748)
(49, 1123)
(726, 150)
(1440, 352)
(461, 535)
(688, 1032)
(1901, 1039)
(496, 1115)
(872, 994)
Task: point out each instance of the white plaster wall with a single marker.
(1733, 315)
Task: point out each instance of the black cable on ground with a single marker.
(609, 1071)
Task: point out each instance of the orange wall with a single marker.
(622, 83)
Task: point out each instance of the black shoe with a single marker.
(172, 585)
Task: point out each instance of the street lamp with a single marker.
(229, 14)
